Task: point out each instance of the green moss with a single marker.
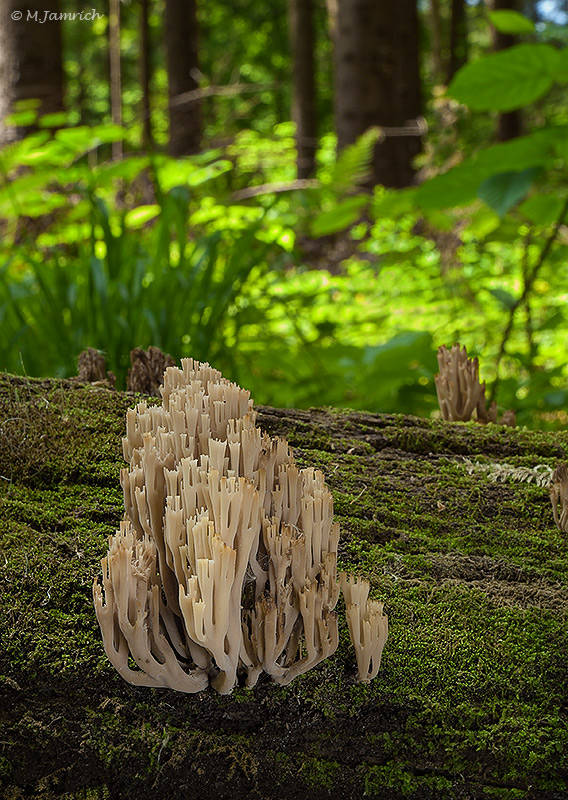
(317, 772)
(389, 776)
(473, 574)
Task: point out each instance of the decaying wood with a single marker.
(145, 374)
(474, 577)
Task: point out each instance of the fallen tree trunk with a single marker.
(452, 524)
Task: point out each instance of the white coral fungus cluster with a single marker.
(226, 562)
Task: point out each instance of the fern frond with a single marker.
(353, 163)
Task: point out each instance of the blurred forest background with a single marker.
(312, 197)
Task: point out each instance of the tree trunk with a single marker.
(80, 101)
(332, 11)
(115, 71)
(377, 82)
(509, 123)
(438, 71)
(458, 37)
(182, 65)
(145, 71)
(302, 42)
(31, 64)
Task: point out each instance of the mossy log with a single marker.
(471, 699)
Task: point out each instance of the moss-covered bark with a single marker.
(471, 698)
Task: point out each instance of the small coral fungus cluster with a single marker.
(226, 563)
(461, 395)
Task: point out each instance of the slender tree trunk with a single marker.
(509, 123)
(436, 30)
(31, 64)
(458, 37)
(80, 100)
(182, 65)
(145, 71)
(377, 82)
(332, 12)
(304, 114)
(115, 72)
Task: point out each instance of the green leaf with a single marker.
(82, 139)
(55, 120)
(339, 217)
(27, 104)
(126, 170)
(507, 80)
(542, 209)
(555, 319)
(562, 70)
(501, 192)
(21, 118)
(534, 150)
(504, 297)
(510, 22)
(137, 217)
(204, 174)
(459, 186)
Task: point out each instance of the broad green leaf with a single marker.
(204, 174)
(125, 170)
(511, 22)
(29, 195)
(506, 80)
(459, 186)
(78, 138)
(21, 118)
(27, 104)
(553, 320)
(207, 156)
(339, 217)
(542, 209)
(137, 217)
(504, 297)
(106, 133)
(173, 172)
(502, 192)
(55, 120)
(562, 70)
(82, 139)
(14, 155)
(534, 150)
